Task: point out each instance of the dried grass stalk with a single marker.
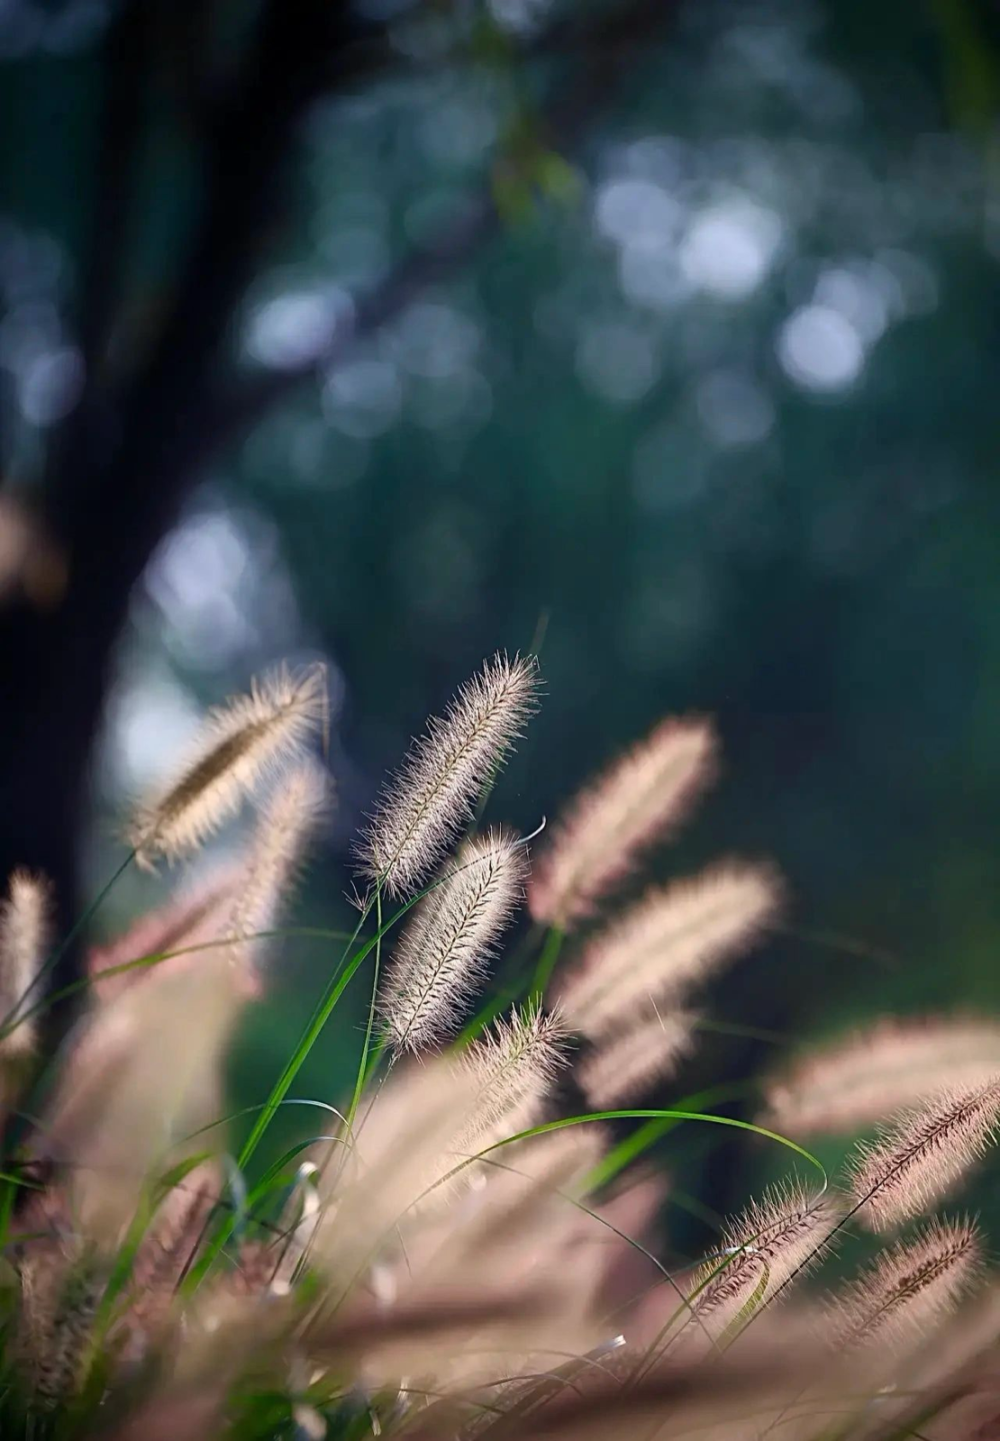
(640, 799)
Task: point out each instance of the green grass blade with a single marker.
(546, 964)
(632, 1146)
(359, 1083)
(677, 1115)
(155, 958)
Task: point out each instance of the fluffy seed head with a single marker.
(640, 799)
(286, 823)
(507, 1073)
(24, 935)
(402, 1165)
(424, 806)
(444, 951)
(187, 927)
(56, 1328)
(557, 1160)
(142, 1075)
(910, 1288)
(860, 1079)
(672, 938)
(625, 1064)
(175, 1231)
(241, 742)
(774, 1240)
(924, 1153)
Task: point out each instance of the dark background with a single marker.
(396, 333)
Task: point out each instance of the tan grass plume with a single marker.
(922, 1154)
(775, 1240)
(626, 1063)
(639, 800)
(507, 1073)
(187, 927)
(859, 1079)
(401, 1165)
(24, 941)
(443, 953)
(142, 1075)
(910, 1288)
(59, 1305)
(425, 804)
(286, 824)
(672, 938)
(241, 742)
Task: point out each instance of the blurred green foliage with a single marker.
(714, 412)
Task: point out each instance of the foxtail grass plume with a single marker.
(910, 1288)
(443, 954)
(923, 1154)
(187, 929)
(174, 1234)
(762, 1388)
(285, 826)
(639, 800)
(401, 1164)
(516, 1234)
(424, 805)
(672, 938)
(523, 1188)
(241, 742)
(61, 1301)
(24, 939)
(772, 1242)
(862, 1078)
(141, 1077)
(507, 1073)
(626, 1063)
(556, 1161)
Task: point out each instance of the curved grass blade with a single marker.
(640, 1140)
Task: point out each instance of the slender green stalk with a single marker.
(310, 1036)
(678, 1115)
(359, 1083)
(486, 1013)
(640, 1140)
(546, 964)
(322, 1013)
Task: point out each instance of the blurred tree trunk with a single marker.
(122, 464)
(126, 458)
